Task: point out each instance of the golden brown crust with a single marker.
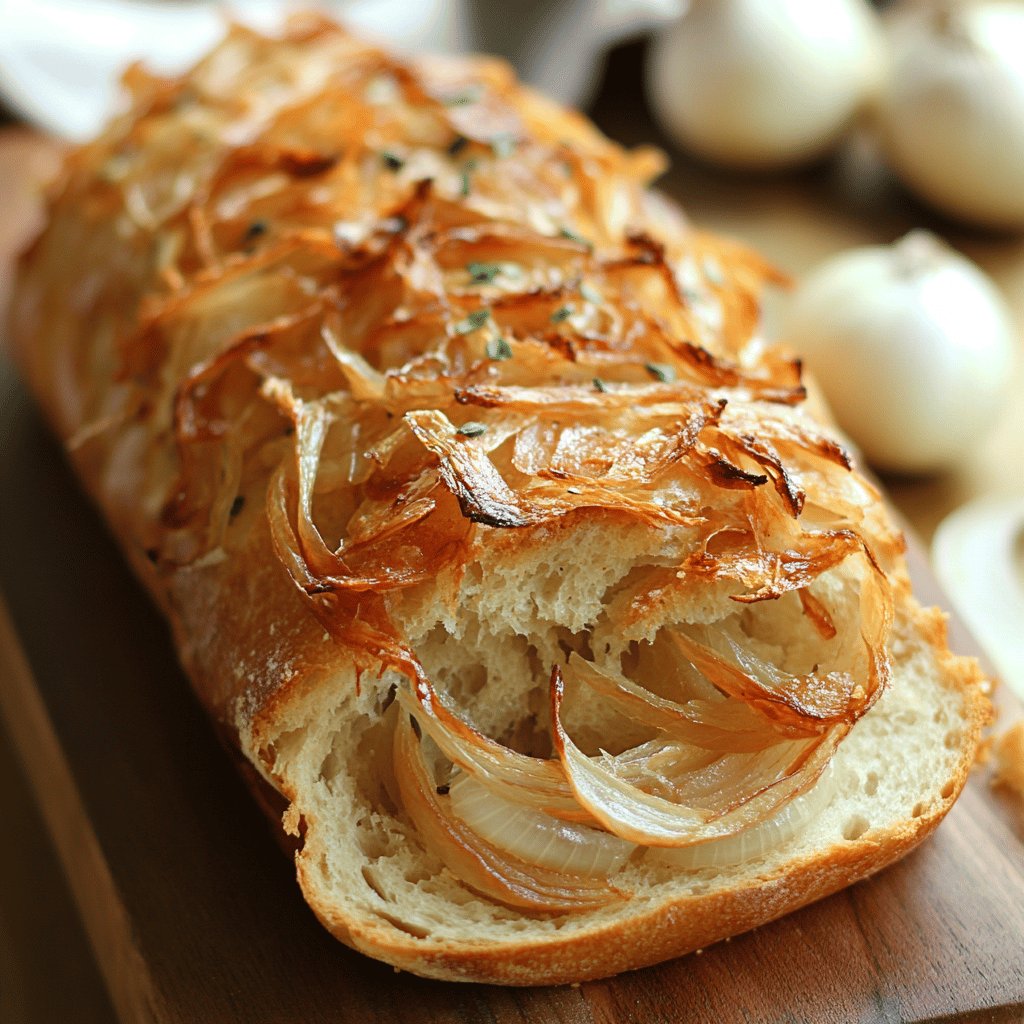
(320, 327)
(291, 297)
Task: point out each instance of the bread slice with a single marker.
(385, 371)
(371, 882)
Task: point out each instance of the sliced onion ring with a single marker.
(653, 821)
(479, 865)
(713, 725)
(528, 780)
(753, 843)
(534, 836)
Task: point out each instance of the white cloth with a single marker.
(60, 59)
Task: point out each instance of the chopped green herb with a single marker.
(504, 145)
(591, 294)
(573, 237)
(561, 314)
(599, 385)
(472, 429)
(661, 371)
(473, 322)
(465, 186)
(483, 273)
(392, 161)
(255, 229)
(469, 95)
(499, 349)
(457, 145)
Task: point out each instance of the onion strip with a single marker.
(759, 840)
(713, 725)
(482, 867)
(632, 814)
(517, 777)
(534, 836)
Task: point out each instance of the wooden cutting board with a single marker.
(194, 914)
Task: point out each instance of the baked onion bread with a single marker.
(489, 527)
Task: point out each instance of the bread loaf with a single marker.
(489, 527)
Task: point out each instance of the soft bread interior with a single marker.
(490, 648)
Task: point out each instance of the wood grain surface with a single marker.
(193, 913)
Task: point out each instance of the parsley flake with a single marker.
(483, 273)
(661, 371)
(469, 95)
(504, 145)
(561, 314)
(457, 145)
(255, 230)
(571, 236)
(599, 385)
(472, 429)
(473, 322)
(392, 161)
(499, 349)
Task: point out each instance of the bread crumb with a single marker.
(1008, 751)
(290, 820)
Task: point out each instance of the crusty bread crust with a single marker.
(215, 277)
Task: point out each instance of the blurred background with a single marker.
(875, 152)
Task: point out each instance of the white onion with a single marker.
(720, 724)
(763, 83)
(772, 778)
(952, 114)
(533, 780)
(535, 837)
(913, 346)
(758, 840)
(483, 867)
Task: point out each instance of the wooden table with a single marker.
(857, 956)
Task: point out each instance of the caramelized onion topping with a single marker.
(408, 343)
